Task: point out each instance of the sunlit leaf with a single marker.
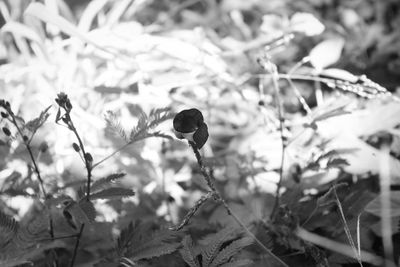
(326, 53)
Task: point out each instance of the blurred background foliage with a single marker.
(131, 57)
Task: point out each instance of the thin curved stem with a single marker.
(217, 196)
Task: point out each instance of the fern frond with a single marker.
(105, 181)
(228, 252)
(188, 253)
(146, 123)
(124, 241)
(113, 192)
(8, 229)
(114, 125)
(160, 243)
(214, 242)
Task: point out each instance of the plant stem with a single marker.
(88, 164)
(37, 171)
(111, 155)
(78, 238)
(217, 196)
(275, 78)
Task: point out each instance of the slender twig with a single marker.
(28, 147)
(303, 102)
(88, 164)
(65, 103)
(78, 238)
(217, 196)
(275, 77)
(111, 155)
(35, 166)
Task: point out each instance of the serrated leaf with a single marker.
(105, 181)
(146, 123)
(114, 125)
(88, 208)
(81, 212)
(159, 243)
(188, 253)
(8, 229)
(326, 53)
(114, 192)
(232, 249)
(215, 241)
(124, 239)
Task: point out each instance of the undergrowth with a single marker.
(130, 139)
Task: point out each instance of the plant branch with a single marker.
(78, 238)
(275, 78)
(26, 142)
(88, 163)
(111, 155)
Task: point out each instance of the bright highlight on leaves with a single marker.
(326, 53)
(306, 23)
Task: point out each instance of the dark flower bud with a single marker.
(88, 157)
(261, 103)
(76, 147)
(4, 115)
(25, 138)
(63, 101)
(189, 124)
(6, 131)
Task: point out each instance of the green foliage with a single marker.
(318, 116)
(144, 126)
(138, 242)
(217, 249)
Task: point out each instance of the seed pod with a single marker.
(76, 147)
(4, 115)
(6, 131)
(25, 138)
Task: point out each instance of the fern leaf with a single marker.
(115, 126)
(105, 181)
(113, 192)
(8, 229)
(188, 253)
(125, 238)
(160, 243)
(214, 243)
(228, 252)
(146, 123)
